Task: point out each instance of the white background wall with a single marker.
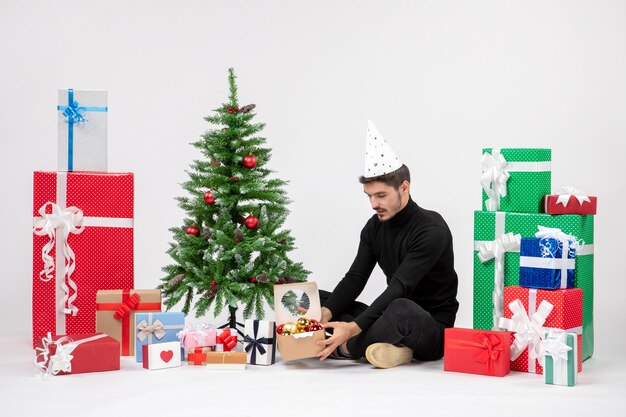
(441, 79)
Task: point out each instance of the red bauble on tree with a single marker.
(213, 283)
(230, 110)
(253, 280)
(249, 161)
(208, 198)
(235, 179)
(251, 222)
(192, 230)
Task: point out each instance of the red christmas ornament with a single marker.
(235, 179)
(279, 329)
(253, 280)
(230, 110)
(213, 283)
(237, 109)
(280, 281)
(251, 222)
(193, 230)
(208, 198)
(315, 327)
(249, 161)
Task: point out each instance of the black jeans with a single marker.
(403, 322)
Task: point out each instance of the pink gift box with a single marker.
(198, 335)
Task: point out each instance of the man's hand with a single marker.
(342, 332)
(326, 315)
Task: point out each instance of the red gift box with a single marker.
(226, 340)
(566, 314)
(82, 243)
(570, 201)
(77, 354)
(481, 352)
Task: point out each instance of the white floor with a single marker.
(304, 388)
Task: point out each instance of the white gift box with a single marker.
(161, 355)
(260, 342)
(82, 130)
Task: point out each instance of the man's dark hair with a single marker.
(394, 178)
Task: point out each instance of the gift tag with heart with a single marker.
(161, 355)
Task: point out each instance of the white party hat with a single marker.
(379, 157)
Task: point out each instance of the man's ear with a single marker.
(405, 186)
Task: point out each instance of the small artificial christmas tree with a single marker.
(231, 249)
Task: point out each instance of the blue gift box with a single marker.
(151, 328)
(547, 263)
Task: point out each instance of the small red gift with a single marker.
(480, 352)
(569, 200)
(77, 354)
(226, 340)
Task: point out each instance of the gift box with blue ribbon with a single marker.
(260, 342)
(82, 130)
(547, 262)
(151, 328)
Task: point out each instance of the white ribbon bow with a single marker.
(66, 221)
(198, 329)
(528, 331)
(155, 328)
(554, 346)
(496, 249)
(565, 193)
(61, 361)
(494, 178)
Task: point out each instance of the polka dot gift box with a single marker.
(546, 309)
(515, 180)
(489, 227)
(82, 243)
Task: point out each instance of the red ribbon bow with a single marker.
(490, 349)
(229, 341)
(127, 306)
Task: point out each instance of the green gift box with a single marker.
(515, 180)
(491, 225)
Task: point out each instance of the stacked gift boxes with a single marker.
(516, 187)
(83, 223)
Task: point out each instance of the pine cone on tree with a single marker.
(247, 108)
(238, 235)
(176, 280)
(206, 233)
(211, 292)
(290, 279)
(262, 279)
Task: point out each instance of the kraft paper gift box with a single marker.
(489, 229)
(161, 355)
(301, 345)
(226, 340)
(225, 360)
(515, 180)
(560, 352)
(82, 243)
(197, 335)
(481, 352)
(156, 328)
(77, 354)
(259, 341)
(82, 130)
(547, 263)
(569, 200)
(198, 356)
(531, 313)
(115, 314)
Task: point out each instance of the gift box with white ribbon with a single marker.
(82, 243)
